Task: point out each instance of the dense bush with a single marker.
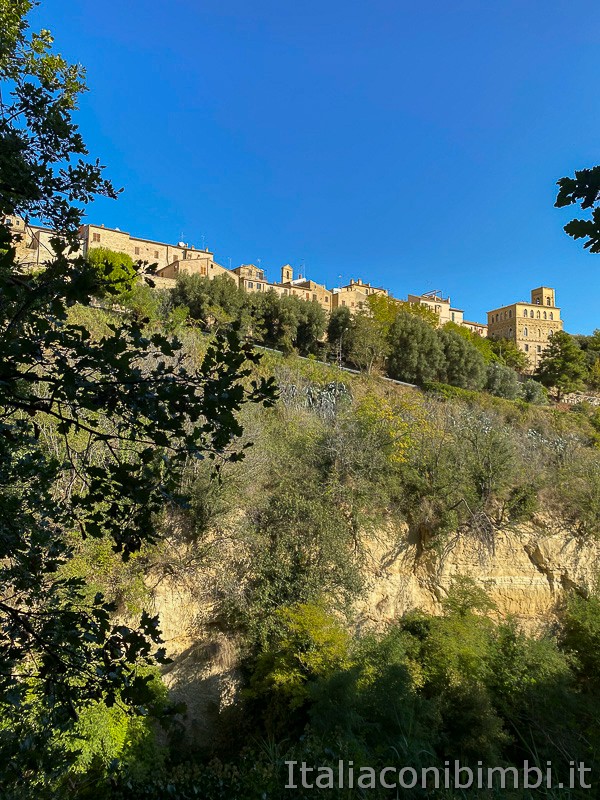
(416, 352)
(114, 272)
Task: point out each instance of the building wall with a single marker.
(307, 290)
(529, 325)
(251, 279)
(440, 306)
(479, 328)
(32, 243)
(354, 295)
(138, 249)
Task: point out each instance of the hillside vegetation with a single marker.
(277, 545)
(145, 445)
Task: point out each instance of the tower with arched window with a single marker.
(514, 322)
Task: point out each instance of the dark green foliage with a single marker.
(533, 392)
(366, 345)
(340, 321)
(287, 323)
(502, 381)
(562, 366)
(584, 189)
(209, 301)
(464, 365)
(416, 351)
(426, 690)
(507, 352)
(127, 413)
(580, 637)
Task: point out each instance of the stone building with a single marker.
(354, 295)
(529, 325)
(479, 328)
(32, 243)
(172, 260)
(251, 278)
(160, 253)
(440, 306)
(303, 288)
(445, 311)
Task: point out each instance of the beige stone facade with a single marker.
(171, 260)
(441, 306)
(303, 288)
(32, 243)
(251, 278)
(205, 266)
(530, 325)
(478, 328)
(446, 312)
(146, 250)
(354, 295)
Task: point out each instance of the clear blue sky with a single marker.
(415, 144)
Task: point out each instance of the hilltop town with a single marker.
(528, 324)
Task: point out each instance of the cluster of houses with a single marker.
(529, 324)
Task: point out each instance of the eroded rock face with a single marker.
(524, 569)
(204, 670)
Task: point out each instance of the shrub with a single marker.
(114, 272)
(502, 381)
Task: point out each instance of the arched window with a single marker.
(551, 315)
(525, 332)
(510, 312)
(550, 332)
(547, 301)
(545, 315)
(510, 331)
(524, 312)
(538, 315)
(537, 300)
(531, 313)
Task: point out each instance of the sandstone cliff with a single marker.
(525, 571)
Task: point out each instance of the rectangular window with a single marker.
(137, 251)
(343, 302)
(539, 348)
(526, 348)
(314, 296)
(326, 299)
(250, 285)
(95, 237)
(156, 254)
